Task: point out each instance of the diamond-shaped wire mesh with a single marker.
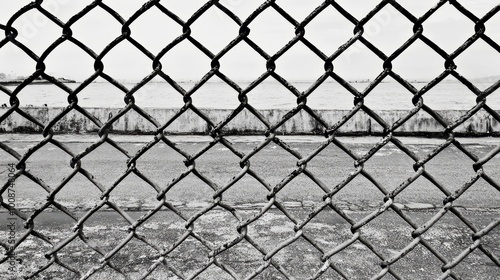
(242, 235)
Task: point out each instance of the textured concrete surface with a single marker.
(480, 123)
(387, 235)
(389, 166)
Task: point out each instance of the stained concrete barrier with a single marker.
(480, 124)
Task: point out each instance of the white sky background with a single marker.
(388, 30)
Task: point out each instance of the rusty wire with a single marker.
(216, 132)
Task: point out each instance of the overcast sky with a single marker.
(387, 30)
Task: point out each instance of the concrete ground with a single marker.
(387, 234)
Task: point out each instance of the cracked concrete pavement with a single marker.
(388, 233)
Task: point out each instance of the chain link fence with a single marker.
(161, 255)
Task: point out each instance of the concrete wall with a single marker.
(245, 123)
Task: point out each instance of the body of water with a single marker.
(268, 95)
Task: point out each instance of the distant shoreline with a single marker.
(15, 82)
